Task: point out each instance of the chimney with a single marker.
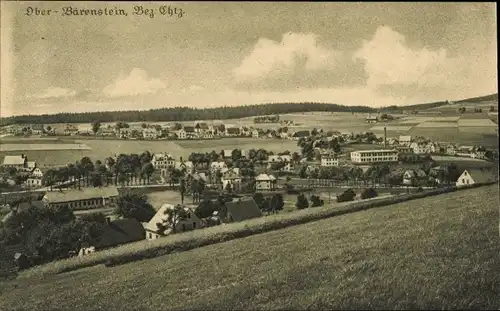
(108, 221)
(385, 137)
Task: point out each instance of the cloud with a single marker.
(136, 83)
(298, 61)
(389, 61)
(53, 92)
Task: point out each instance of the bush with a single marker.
(347, 196)
(369, 193)
(316, 201)
(301, 202)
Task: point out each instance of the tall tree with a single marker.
(131, 204)
(96, 125)
(175, 215)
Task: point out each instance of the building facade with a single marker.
(374, 156)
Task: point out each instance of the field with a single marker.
(435, 253)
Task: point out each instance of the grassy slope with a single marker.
(438, 252)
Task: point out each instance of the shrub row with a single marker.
(208, 236)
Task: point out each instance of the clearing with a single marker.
(440, 252)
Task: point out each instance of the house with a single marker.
(104, 131)
(162, 161)
(181, 134)
(286, 159)
(37, 172)
(245, 131)
(70, 130)
(124, 132)
(9, 265)
(233, 131)
(438, 173)
(284, 135)
(184, 165)
(405, 140)
(153, 231)
(391, 141)
(87, 198)
(232, 178)
(273, 134)
(116, 232)
(411, 176)
(227, 154)
(403, 149)
(33, 182)
(37, 129)
(374, 156)
(432, 147)
(476, 176)
(242, 209)
(329, 160)
(19, 162)
(465, 151)
(150, 133)
(265, 182)
(201, 127)
(300, 134)
(479, 153)
(371, 119)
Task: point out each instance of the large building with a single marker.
(162, 161)
(153, 231)
(329, 160)
(265, 182)
(374, 156)
(88, 198)
(19, 162)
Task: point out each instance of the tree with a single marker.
(134, 205)
(228, 188)
(316, 201)
(96, 125)
(174, 215)
(346, 196)
(492, 108)
(368, 193)
(276, 203)
(147, 170)
(302, 202)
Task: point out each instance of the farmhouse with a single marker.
(405, 140)
(371, 119)
(242, 209)
(201, 127)
(88, 198)
(116, 232)
(162, 161)
(329, 160)
(374, 156)
(153, 231)
(265, 182)
(190, 132)
(476, 176)
(19, 162)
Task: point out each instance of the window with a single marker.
(150, 235)
(183, 227)
(194, 225)
(463, 180)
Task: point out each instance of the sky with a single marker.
(240, 53)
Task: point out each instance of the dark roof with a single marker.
(121, 231)
(482, 175)
(189, 129)
(301, 134)
(203, 126)
(37, 127)
(233, 130)
(243, 209)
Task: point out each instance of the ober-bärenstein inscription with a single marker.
(138, 10)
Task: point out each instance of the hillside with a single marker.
(440, 252)
(190, 114)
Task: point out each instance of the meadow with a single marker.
(439, 252)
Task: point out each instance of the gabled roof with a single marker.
(77, 195)
(243, 209)
(370, 117)
(13, 160)
(404, 138)
(162, 156)
(301, 134)
(37, 127)
(265, 177)
(203, 126)
(121, 231)
(233, 173)
(161, 217)
(189, 129)
(228, 153)
(482, 175)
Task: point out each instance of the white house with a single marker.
(286, 159)
(217, 166)
(451, 149)
(191, 222)
(162, 161)
(374, 156)
(329, 160)
(418, 147)
(181, 134)
(265, 182)
(371, 119)
(411, 176)
(476, 176)
(37, 172)
(33, 182)
(256, 133)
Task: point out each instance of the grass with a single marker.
(436, 253)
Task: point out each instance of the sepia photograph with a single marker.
(205, 155)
